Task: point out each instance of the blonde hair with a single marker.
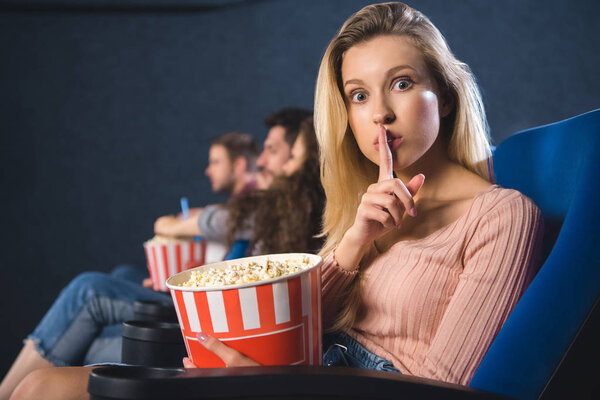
(345, 172)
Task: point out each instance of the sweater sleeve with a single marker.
(335, 281)
(499, 261)
(212, 223)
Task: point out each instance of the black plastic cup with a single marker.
(133, 382)
(147, 310)
(152, 344)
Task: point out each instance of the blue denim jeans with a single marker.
(341, 350)
(84, 324)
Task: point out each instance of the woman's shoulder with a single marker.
(499, 196)
(504, 203)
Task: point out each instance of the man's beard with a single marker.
(227, 187)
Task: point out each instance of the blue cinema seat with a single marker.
(557, 166)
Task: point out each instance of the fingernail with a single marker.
(201, 336)
(413, 212)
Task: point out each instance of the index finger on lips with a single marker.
(386, 162)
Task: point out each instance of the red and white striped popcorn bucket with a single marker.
(165, 259)
(274, 322)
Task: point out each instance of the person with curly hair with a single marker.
(286, 217)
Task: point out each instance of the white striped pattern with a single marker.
(197, 253)
(171, 260)
(218, 316)
(249, 306)
(185, 254)
(161, 268)
(192, 313)
(282, 302)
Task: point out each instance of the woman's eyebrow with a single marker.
(350, 81)
(389, 72)
(398, 68)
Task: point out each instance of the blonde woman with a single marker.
(424, 257)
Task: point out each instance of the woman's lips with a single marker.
(393, 141)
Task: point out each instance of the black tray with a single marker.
(275, 382)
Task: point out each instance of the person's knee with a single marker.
(89, 284)
(53, 383)
(33, 385)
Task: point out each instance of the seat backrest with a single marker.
(557, 166)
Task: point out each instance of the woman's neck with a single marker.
(438, 169)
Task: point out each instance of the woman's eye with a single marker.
(402, 84)
(359, 97)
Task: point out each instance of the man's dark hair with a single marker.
(239, 144)
(290, 119)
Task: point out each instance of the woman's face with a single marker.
(297, 157)
(386, 82)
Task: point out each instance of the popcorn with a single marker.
(158, 240)
(245, 273)
(272, 310)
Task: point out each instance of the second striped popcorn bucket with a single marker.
(167, 258)
(274, 322)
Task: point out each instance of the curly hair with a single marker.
(287, 216)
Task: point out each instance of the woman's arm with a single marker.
(170, 225)
(500, 261)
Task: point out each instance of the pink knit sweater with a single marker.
(432, 306)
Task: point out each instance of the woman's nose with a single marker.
(383, 113)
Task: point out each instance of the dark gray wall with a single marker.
(105, 110)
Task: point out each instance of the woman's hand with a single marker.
(231, 357)
(170, 225)
(166, 225)
(381, 208)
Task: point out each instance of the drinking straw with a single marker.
(185, 207)
(185, 212)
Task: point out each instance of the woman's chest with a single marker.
(411, 282)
